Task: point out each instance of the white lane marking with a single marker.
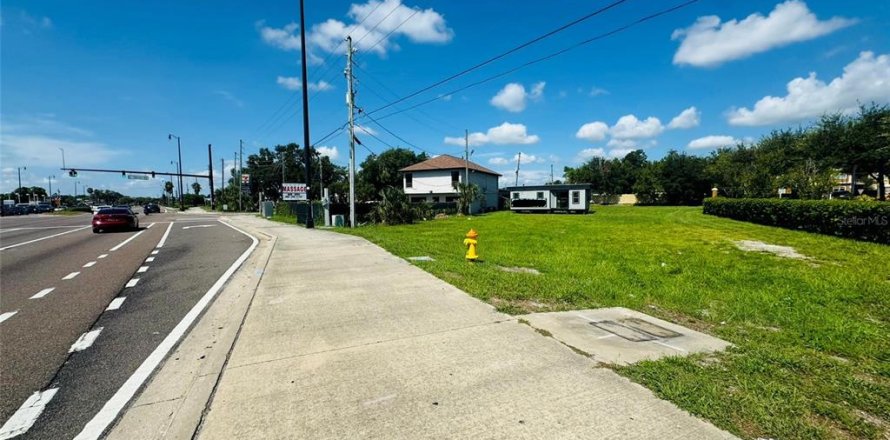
(27, 414)
(38, 228)
(41, 239)
(149, 259)
(103, 256)
(93, 430)
(126, 241)
(7, 315)
(116, 303)
(164, 238)
(10, 230)
(149, 226)
(90, 264)
(198, 226)
(85, 340)
(132, 282)
(671, 346)
(142, 269)
(71, 276)
(155, 252)
(43, 293)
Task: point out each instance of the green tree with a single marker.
(196, 187)
(168, 189)
(379, 171)
(467, 195)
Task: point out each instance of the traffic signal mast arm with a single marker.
(73, 172)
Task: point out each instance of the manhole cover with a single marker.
(648, 327)
(625, 332)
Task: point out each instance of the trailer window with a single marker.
(515, 196)
(576, 197)
(540, 195)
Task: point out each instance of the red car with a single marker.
(114, 218)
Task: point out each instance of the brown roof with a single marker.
(446, 162)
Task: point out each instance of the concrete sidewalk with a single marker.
(344, 340)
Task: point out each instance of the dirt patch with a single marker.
(518, 306)
(779, 251)
(519, 270)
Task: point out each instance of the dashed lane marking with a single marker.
(41, 239)
(43, 293)
(27, 414)
(132, 282)
(149, 226)
(155, 252)
(102, 256)
(90, 264)
(149, 259)
(71, 276)
(85, 340)
(142, 269)
(7, 315)
(116, 303)
(124, 243)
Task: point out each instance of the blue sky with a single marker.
(108, 83)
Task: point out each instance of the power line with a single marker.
(393, 30)
(379, 22)
(393, 134)
(502, 55)
(547, 57)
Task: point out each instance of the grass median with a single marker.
(812, 335)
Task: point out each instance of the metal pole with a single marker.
(63, 156)
(240, 172)
(20, 175)
(310, 222)
(350, 96)
(222, 180)
(210, 165)
(50, 186)
(179, 150)
(518, 160)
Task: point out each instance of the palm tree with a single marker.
(196, 187)
(168, 188)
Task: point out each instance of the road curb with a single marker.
(172, 403)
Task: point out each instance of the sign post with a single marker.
(293, 191)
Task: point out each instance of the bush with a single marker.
(861, 220)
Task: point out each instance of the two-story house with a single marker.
(435, 181)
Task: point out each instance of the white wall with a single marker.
(432, 181)
(438, 183)
(533, 194)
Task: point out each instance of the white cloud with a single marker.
(529, 158)
(282, 38)
(713, 142)
(593, 131)
(295, 83)
(629, 127)
(498, 161)
(513, 96)
(228, 96)
(596, 91)
(622, 143)
(619, 153)
(330, 152)
(382, 21)
(589, 153)
(864, 80)
(366, 129)
(504, 134)
(688, 118)
(710, 42)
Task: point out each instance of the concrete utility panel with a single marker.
(622, 336)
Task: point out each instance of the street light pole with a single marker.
(179, 150)
(310, 222)
(63, 156)
(51, 186)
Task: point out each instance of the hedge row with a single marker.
(861, 220)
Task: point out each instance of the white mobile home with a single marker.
(550, 198)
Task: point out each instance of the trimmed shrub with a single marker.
(861, 220)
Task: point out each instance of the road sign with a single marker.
(137, 177)
(293, 191)
(245, 179)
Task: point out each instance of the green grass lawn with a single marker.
(812, 337)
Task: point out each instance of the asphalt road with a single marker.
(79, 312)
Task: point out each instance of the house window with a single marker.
(418, 199)
(455, 178)
(435, 199)
(409, 180)
(515, 196)
(450, 199)
(576, 197)
(540, 195)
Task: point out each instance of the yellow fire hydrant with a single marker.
(470, 242)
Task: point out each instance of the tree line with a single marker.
(806, 161)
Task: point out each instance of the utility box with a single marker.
(338, 221)
(268, 209)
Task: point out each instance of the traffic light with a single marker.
(72, 173)
(152, 174)
(123, 174)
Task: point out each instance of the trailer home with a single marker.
(550, 198)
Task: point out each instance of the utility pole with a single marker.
(20, 175)
(240, 172)
(320, 175)
(467, 157)
(350, 105)
(518, 160)
(551, 174)
(210, 165)
(51, 186)
(222, 179)
(310, 221)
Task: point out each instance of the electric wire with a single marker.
(503, 54)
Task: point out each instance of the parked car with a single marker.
(26, 208)
(151, 207)
(44, 207)
(114, 218)
(9, 210)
